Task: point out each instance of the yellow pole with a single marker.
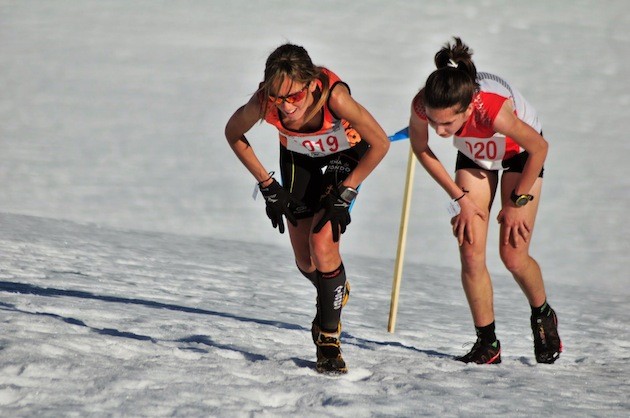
(402, 241)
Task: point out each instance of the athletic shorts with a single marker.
(309, 179)
(511, 165)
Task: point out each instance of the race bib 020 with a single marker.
(487, 152)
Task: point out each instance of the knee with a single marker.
(324, 251)
(514, 261)
(473, 261)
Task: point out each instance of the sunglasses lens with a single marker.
(291, 98)
(296, 97)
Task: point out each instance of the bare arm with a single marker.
(462, 223)
(419, 138)
(344, 106)
(507, 123)
(517, 223)
(240, 123)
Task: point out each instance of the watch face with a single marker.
(348, 194)
(522, 201)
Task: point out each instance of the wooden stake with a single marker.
(402, 241)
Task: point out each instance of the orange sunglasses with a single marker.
(289, 98)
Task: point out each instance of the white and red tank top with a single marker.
(334, 134)
(476, 138)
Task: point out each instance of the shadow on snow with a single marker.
(25, 288)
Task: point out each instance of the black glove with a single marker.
(336, 210)
(279, 202)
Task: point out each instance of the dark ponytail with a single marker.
(454, 83)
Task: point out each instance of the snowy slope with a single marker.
(139, 278)
(102, 322)
(113, 112)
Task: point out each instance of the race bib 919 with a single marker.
(318, 145)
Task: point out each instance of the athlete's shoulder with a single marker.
(492, 83)
(333, 80)
(489, 98)
(493, 92)
(332, 76)
(417, 104)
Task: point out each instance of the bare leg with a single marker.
(299, 236)
(515, 255)
(324, 251)
(475, 276)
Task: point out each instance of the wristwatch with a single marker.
(520, 199)
(347, 193)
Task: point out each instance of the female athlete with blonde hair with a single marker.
(320, 126)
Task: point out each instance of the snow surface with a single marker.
(99, 322)
(139, 278)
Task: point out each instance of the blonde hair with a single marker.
(292, 62)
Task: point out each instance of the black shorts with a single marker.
(309, 179)
(511, 165)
